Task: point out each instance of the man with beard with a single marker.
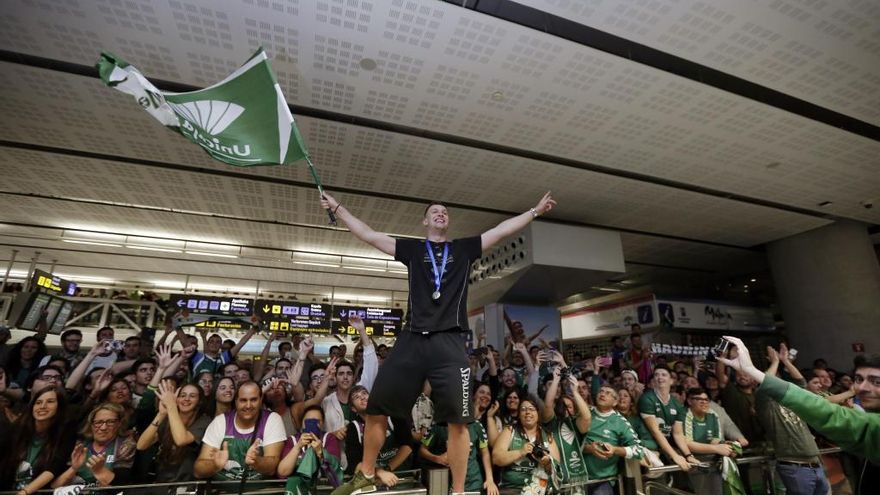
(854, 431)
(70, 348)
(244, 443)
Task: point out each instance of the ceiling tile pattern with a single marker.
(824, 52)
(451, 70)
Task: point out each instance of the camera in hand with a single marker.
(564, 373)
(538, 452)
(719, 350)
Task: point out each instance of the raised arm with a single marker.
(792, 370)
(584, 417)
(79, 372)
(362, 231)
(550, 398)
(370, 360)
(260, 365)
(242, 341)
(515, 224)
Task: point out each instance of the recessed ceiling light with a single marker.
(498, 96)
(753, 280)
(823, 204)
(368, 64)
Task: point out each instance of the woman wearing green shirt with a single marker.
(516, 449)
(567, 417)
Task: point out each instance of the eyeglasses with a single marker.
(50, 378)
(527, 409)
(101, 423)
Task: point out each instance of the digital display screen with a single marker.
(61, 319)
(381, 322)
(53, 284)
(34, 311)
(212, 306)
(292, 316)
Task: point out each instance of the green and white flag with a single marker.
(243, 120)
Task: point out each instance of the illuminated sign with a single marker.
(223, 324)
(61, 318)
(292, 316)
(212, 306)
(55, 285)
(381, 322)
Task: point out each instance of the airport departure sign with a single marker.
(294, 316)
(379, 322)
(212, 306)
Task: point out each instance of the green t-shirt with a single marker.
(570, 443)
(613, 428)
(666, 414)
(785, 430)
(346, 411)
(701, 430)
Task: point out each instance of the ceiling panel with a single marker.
(451, 70)
(827, 53)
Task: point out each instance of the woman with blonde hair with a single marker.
(104, 458)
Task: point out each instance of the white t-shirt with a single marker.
(273, 433)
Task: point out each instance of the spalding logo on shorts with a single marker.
(465, 395)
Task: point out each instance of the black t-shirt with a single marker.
(450, 311)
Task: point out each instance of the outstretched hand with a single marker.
(546, 204)
(742, 361)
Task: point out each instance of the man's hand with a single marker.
(329, 202)
(546, 204)
(443, 459)
(250, 458)
(682, 463)
(742, 361)
(520, 348)
(772, 355)
(783, 353)
(597, 449)
(724, 449)
(386, 478)
(221, 456)
(306, 346)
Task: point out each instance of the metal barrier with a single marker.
(409, 483)
(644, 488)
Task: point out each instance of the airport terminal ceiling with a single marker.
(401, 102)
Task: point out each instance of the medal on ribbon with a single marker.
(438, 274)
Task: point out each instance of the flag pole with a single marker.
(320, 188)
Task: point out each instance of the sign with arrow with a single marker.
(212, 306)
(294, 316)
(379, 322)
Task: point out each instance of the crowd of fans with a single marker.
(187, 408)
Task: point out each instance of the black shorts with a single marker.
(438, 357)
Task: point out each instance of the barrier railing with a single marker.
(410, 483)
(768, 463)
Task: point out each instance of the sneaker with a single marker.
(355, 486)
